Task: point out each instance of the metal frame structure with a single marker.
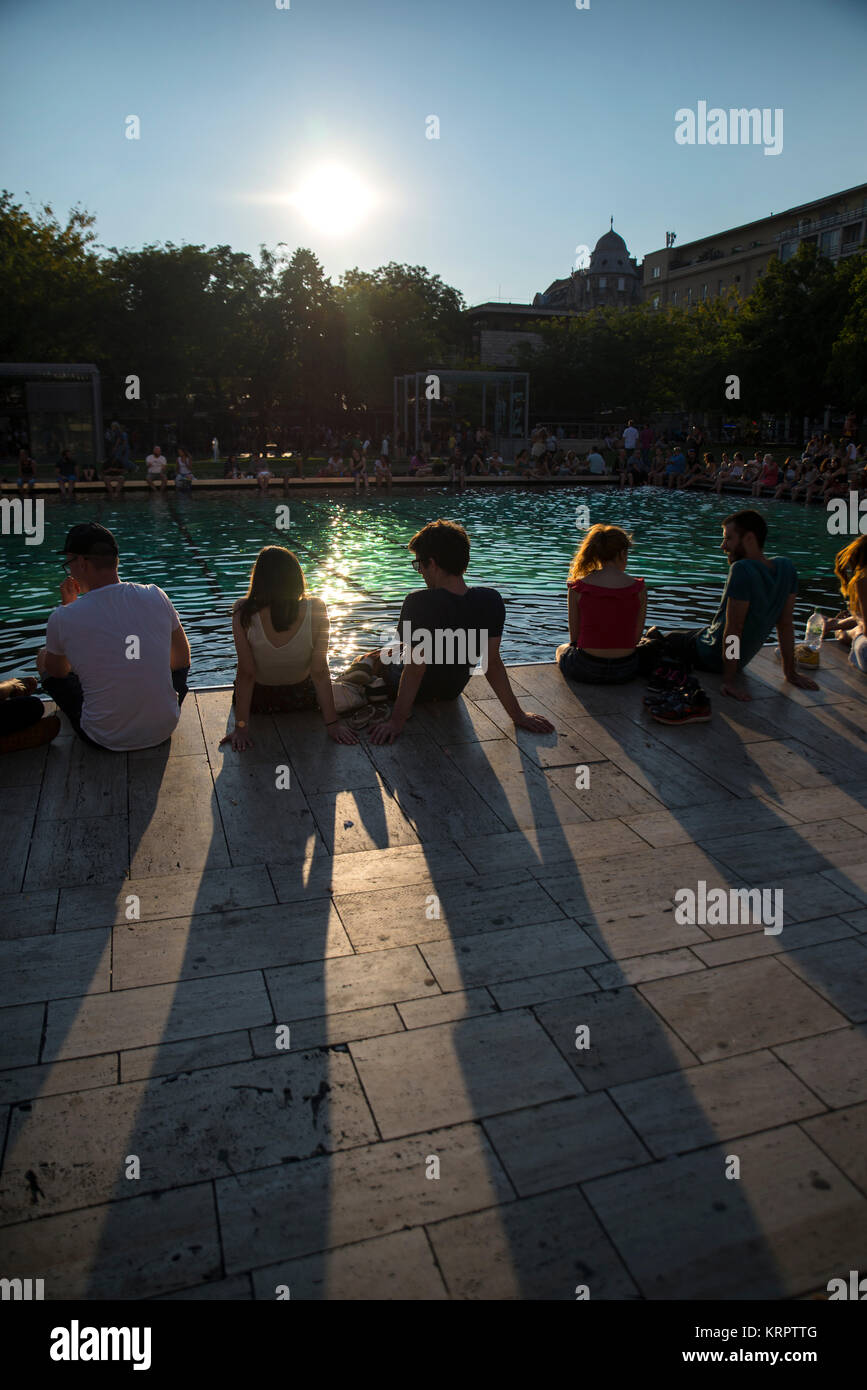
(44, 373)
(409, 388)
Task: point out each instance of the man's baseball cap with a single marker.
(89, 538)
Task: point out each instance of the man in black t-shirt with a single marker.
(444, 631)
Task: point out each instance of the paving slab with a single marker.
(20, 1034)
(627, 1040)
(133, 1249)
(170, 895)
(263, 823)
(284, 1213)
(711, 822)
(393, 1268)
(543, 1247)
(685, 1231)
(54, 967)
(432, 911)
(87, 851)
(511, 954)
(833, 1064)
(333, 1031)
(564, 1142)
(517, 994)
(608, 792)
(349, 983)
(81, 781)
(26, 1083)
(721, 1100)
(838, 971)
(367, 870)
(221, 943)
(514, 787)
(726, 1010)
(29, 914)
(453, 1072)
(549, 849)
(174, 821)
(446, 1008)
(563, 748)
(154, 1015)
(750, 944)
(234, 1290)
(265, 1111)
(140, 1063)
(843, 1137)
(656, 965)
(367, 818)
(821, 845)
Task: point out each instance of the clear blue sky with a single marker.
(551, 119)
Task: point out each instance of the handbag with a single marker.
(347, 696)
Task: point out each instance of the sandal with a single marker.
(359, 673)
(682, 707)
(359, 718)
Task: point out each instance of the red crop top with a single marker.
(607, 617)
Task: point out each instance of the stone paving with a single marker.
(440, 924)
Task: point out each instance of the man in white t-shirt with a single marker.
(116, 657)
(595, 462)
(156, 469)
(630, 437)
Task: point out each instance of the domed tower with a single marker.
(611, 278)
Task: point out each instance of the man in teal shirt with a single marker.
(759, 595)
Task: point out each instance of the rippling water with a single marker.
(353, 551)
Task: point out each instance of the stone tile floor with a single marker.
(435, 928)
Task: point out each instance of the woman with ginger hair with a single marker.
(607, 608)
(850, 567)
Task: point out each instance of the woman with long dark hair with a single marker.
(281, 637)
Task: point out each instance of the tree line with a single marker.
(216, 332)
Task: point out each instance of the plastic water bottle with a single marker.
(813, 634)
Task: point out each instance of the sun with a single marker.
(333, 199)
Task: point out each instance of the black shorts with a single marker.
(578, 665)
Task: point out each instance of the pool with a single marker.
(353, 551)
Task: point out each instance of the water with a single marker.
(200, 549)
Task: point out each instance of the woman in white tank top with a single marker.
(281, 637)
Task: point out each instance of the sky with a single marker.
(309, 125)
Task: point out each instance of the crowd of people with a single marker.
(116, 658)
(639, 456)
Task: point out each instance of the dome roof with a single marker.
(610, 253)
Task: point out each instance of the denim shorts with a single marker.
(579, 665)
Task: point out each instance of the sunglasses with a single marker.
(417, 564)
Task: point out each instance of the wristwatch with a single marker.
(240, 723)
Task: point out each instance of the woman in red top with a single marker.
(606, 610)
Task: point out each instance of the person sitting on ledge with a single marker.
(850, 567)
(607, 608)
(281, 636)
(21, 717)
(759, 595)
(444, 630)
(116, 657)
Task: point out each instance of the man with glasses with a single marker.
(439, 626)
(116, 657)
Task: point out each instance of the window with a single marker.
(787, 250)
(689, 296)
(674, 296)
(704, 290)
(852, 234)
(603, 282)
(808, 241)
(654, 274)
(621, 283)
(830, 243)
(656, 301)
(719, 286)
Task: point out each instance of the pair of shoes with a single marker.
(687, 686)
(43, 731)
(684, 706)
(359, 673)
(668, 675)
(360, 718)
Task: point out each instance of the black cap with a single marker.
(89, 538)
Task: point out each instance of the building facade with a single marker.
(681, 276)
